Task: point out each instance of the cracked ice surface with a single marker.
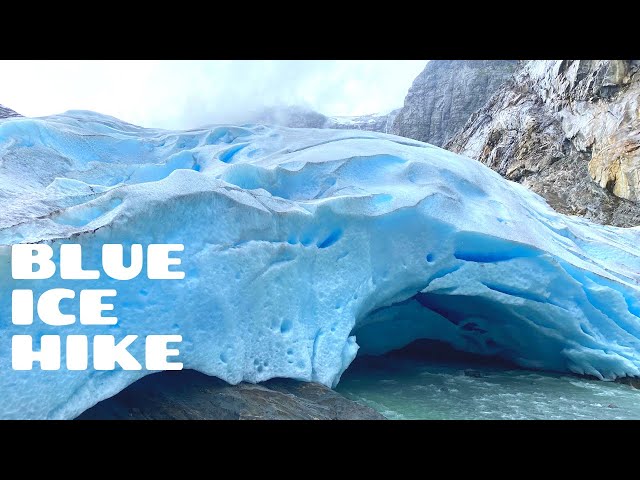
(300, 243)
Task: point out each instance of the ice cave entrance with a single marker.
(474, 329)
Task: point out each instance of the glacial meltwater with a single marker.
(410, 388)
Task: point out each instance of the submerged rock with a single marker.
(189, 395)
(631, 381)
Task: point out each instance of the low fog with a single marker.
(188, 94)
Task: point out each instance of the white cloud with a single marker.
(186, 94)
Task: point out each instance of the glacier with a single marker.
(302, 246)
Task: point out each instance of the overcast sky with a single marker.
(186, 94)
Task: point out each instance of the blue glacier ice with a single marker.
(302, 245)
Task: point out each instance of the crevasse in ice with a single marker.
(300, 245)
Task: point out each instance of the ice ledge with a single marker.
(297, 240)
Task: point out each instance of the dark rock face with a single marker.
(445, 94)
(7, 112)
(189, 395)
(301, 117)
(570, 131)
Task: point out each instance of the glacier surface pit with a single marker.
(300, 242)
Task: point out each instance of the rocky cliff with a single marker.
(7, 112)
(445, 94)
(570, 131)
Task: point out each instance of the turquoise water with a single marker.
(409, 389)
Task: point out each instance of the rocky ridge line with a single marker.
(445, 94)
(7, 112)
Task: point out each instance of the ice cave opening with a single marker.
(473, 329)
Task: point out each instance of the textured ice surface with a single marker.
(300, 242)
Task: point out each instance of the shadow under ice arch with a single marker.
(519, 304)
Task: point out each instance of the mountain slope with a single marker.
(570, 131)
(373, 123)
(302, 117)
(7, 112)
(445, 94)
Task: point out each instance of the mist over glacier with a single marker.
(302, 245)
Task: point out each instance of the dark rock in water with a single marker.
(632, 381)
(7, 112)
(612, 405)
(446, 94)
(473, 373)
(189, 395)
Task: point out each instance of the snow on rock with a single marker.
(7, 112)
(302, 244)
(303, 117)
